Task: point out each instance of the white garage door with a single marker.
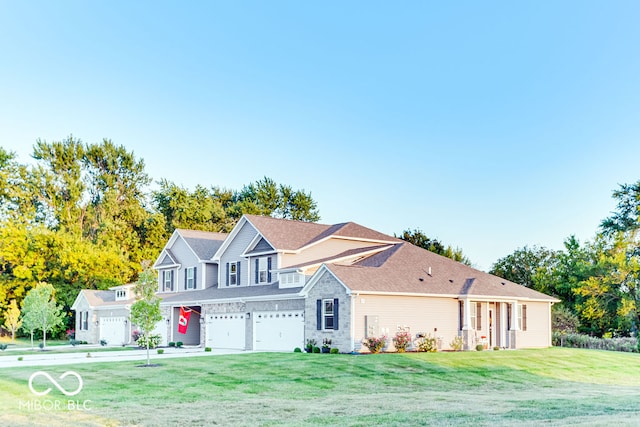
(278, 331)
(112, 329)
(226, 330)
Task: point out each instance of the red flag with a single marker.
(183, 321)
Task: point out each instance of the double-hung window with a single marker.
(84, 320)
(476, 315)
(263, 270)
(327, 314)
(167, 285)
(190, 278)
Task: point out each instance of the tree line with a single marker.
(82, 216)
(598, 280)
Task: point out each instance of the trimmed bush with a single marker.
(479, 347)
(160, 351)
(20, 358)
(172, 344)
(207, 349)
(334, 351)
(496, 348)
(179, 344)
(297, 350)
(3, 347)
(316, 349)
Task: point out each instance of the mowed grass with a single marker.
(526, 387)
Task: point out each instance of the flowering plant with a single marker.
(71, 334)
(401, 341)
(375, 344)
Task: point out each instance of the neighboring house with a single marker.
(104, 315)
(271, 284)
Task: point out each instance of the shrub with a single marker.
(41, 345)
(479, 347)
(160, 351)
(74, 342)
(297, 350)
(20, 358)
(103, 342)
(71, 334)
(154, 340)
(179, 344)
(626, 344)
(496, 348)
(172, 344)
(427, 343)
(457, 344)
(401, 341)
(334, 351)
(207, 349)
(316, 349)
(374, 344)
(135, 335)
(3, 347)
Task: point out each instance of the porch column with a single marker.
(514, 325)
(466, 323)
(503, 325)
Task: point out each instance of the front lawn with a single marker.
(551, 386)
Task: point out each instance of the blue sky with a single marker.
(488, 125)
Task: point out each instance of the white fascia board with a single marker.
(314, 279)
(480, 298)
(169, 243)
(77, 300)
(253, 244)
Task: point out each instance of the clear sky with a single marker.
(488, 125)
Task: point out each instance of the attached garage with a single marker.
(113, 330)
(278, 331)
(161, 329)
(226, 330)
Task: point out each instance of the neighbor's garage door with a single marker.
(112, 330)
(226, 330)
(278, 331)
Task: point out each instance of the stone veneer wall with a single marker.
(328, 287)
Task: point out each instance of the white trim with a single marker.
(314, 279)
(254, 242)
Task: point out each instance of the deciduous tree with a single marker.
(40, 310)
(12, 319)
(145, 312)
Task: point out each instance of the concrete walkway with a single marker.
(42, 358)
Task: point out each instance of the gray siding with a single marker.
(186, 258)
(211, 278)
(232, 254)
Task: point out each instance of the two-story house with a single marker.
(271, 284)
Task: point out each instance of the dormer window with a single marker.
(121, 294)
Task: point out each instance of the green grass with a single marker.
(528, 387)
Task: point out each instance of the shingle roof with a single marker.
(203, 243)
(103, 298)
(405, 268)
(292, 235)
